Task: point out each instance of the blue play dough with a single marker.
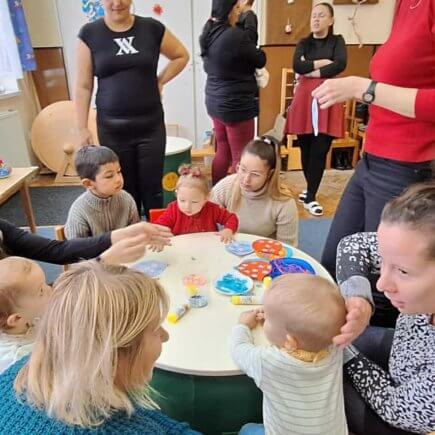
(282, 266)
(151, 268)
(232, 285)
(240, 248)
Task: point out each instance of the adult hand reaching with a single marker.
(358, 316)
(126, 250)
(154, 234)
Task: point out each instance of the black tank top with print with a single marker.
(125, 64)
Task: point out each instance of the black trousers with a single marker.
(141, 152)
(374, 183)
(314, 150)
(375, 343)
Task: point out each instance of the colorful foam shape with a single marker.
(240, 248)
(151, 268)
(282, 266)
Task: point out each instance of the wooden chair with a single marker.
(350, 139)
(155, 213)
(59, 232)
(206, 152)
(288, 150)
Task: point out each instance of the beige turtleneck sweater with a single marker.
(90, 215)
(259, 214)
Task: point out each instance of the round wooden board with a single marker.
(53, 128)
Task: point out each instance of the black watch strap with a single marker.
(369, 95)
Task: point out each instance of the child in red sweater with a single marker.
(192, 212)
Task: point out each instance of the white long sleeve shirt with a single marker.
(13, 348)
(298, 397)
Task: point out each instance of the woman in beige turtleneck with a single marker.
(263, 205)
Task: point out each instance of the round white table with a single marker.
(195, 376)
(198, 343)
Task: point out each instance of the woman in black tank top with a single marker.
(122, 50)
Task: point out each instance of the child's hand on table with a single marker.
(156, 247)
(226, 235)
(251, 318)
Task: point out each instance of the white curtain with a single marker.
(10, 64)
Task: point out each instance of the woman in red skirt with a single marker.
(319, 56)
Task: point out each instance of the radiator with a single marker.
(13, 146)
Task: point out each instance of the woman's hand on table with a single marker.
(226, 235)
(334, 91)
(251, 318)
(126, 250)
(358, 316)
(154, 234)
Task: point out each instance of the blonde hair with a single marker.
(191, 176)
(12, 270)
(97, 315)
(311, 306)
(267, 149)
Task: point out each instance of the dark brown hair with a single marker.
(415, 208)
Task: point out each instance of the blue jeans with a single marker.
(374, 183)
(252, 429)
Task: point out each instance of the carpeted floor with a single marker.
(50, 205)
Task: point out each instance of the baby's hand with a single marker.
(226, 235)
(249, 318)
(156, 247)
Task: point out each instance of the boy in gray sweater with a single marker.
(104, 206)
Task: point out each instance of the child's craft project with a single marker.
(151, 268)
(282, 266)
(240, 248)
(233, 283)
(255, 269)
(270, 249)
(5, 170)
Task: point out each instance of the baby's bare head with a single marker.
(308, 308)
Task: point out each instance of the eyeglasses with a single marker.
(245, 173)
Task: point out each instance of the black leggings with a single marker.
(141, 153)
(314, 150)
(375, 343)
(374, 182)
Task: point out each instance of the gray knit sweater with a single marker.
(92, 216)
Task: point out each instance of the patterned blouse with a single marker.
(404, 397)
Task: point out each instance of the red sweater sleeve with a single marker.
(169, 217)
(425, 105)
(226, 218)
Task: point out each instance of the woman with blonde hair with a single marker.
(264, 205)
(93, 358)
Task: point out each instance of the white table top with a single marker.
(199, 341)
(176, 145)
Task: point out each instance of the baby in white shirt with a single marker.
(24, 296)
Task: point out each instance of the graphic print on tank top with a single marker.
(125, 45)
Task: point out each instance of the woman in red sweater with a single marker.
(400, 140)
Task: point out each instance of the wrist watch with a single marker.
(369, 95)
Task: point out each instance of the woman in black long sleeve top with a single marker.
(320, 56)
(230, 59)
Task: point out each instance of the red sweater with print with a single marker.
(206, 220)
(407, 60)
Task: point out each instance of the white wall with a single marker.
(373, 21)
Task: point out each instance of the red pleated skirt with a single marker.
(331, 120)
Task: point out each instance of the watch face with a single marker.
(368, 98)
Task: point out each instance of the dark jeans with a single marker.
(314, 150)
(375, 343)
(141, 152)
(374, 183)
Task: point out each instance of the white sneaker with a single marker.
(314, 208)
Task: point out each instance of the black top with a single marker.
(231, 88)
(332, 47)
(248, 21)
(125, 64)
(18, 242)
